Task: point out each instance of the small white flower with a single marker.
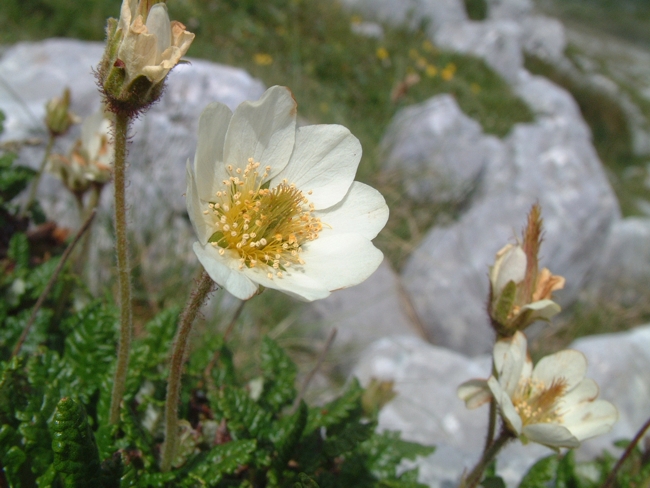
(151, 45)
(552, 404)
(277, 206)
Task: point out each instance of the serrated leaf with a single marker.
(339, 410)
(245, 417)
(279, 374)
(220, 461)
(13, 179)
(347, 439)
(541, 473)
(286, 433)
(18, 251)
(305, 481)
(76, 458)
(385, 451)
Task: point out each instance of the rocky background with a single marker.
(423, 326)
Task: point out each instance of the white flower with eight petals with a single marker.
(552, 404)
(277, 206)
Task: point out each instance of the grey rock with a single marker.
(622, 273)
(436, 151)
(543, 37)
(427, 409)
(368, 29)
(412, 12)
(363, 314)
(509, 9)
(495, 41)
(550, 161)
(162, 141)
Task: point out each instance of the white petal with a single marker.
(543, 309)
(569, 365)
(223, 271)
(363, 211)
(474, 393)
(591, 419)
(294, 283)
(586, 391)
(509, 266)
(340, 261)
(264, 130)
(324, 161)
(159, 25)
(510, 358)
(208, 161)
(202, 223)
(552, 435)
(507, 409)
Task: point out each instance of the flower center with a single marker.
(264, 226)
(536, 403)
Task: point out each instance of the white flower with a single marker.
(151, 45)
(552, 404)
(277, 206)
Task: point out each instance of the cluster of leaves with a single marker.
(54, 411)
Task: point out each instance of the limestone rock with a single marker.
(363, 314)
(412, 12)
(436, 151)
(623, 271)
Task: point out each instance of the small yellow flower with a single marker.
(382, 53)
(356, 19)
(448, 72)
(325, 108)
(263, 59)
(421, 63)
(428, 47)
(413, 53)
(431, 71)
(475, 87)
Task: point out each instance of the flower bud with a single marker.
(142, 48)
(520, 294)
(58, 117)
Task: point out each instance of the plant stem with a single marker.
(37, 179)
(123, 271)
(51, 282)
(612, 475)
(473, 479)
(204, 286)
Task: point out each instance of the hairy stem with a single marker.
(123, 271)
(37, 179)
(473, 479)
(204, 286)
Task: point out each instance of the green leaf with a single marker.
(246, 419)
(220, 461)
(337, 411)
(286, 434)
(305, 481)
(76, 459)
(385, 451)
(347, 439)
(493, 482)
(505, 302)
(279, 374)
(542, 473)
(19, 251)
(13, 179)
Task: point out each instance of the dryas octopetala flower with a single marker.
(520, 293)
(277, 206)
(142, 47)
(90, 161)
(552, 404)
